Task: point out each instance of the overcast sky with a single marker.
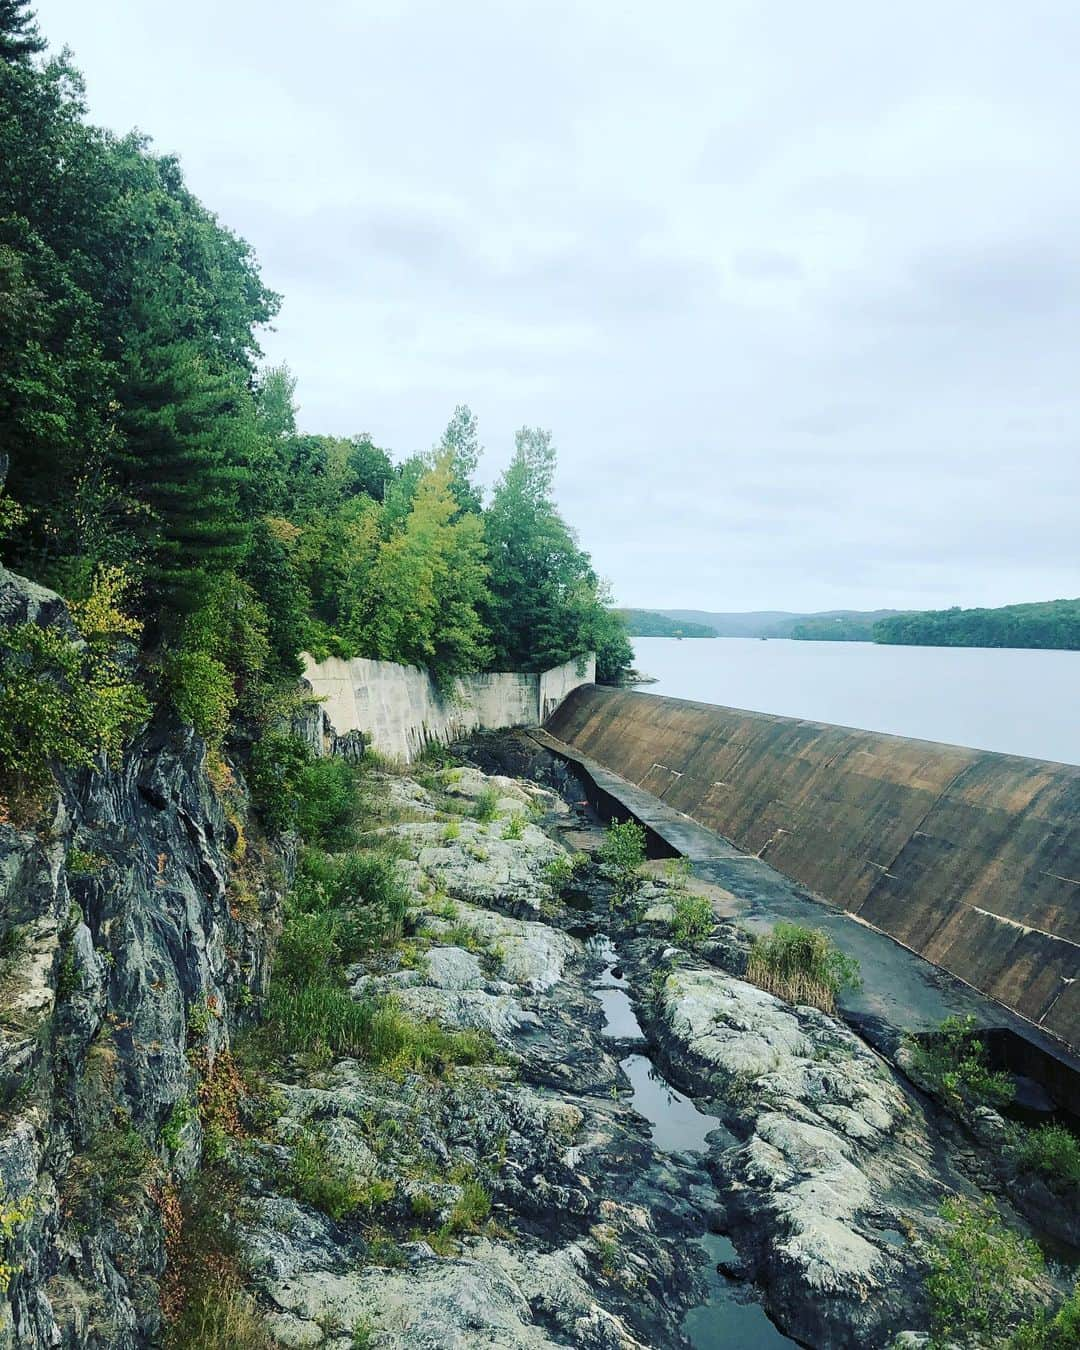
(794, 285)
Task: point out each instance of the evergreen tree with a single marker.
(19, 36)
(185, 433)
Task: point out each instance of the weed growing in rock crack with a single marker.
(199, 1018)
(514, 827)
(692, 919)
(323, 1020)
(485, 805)
(451, 831)
(221, 1089)
(81, 863)
(320, 1178)
(621, 856)
(801, 965)
(363, 1334)
(678, 870)
(953, 1063)
(183, 1113)
(607, 1250)
(442, 907)
(382, 1250)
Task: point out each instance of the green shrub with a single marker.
(622, 854)
(200, 689)
(370, 884)
(486, 805)
(514, 827)
(559, 873)
(60, 703)
(307, 948)
(953, 1063)
(342, 907)
(318, 1177)
(975, 1267)
(451, 831)
(328, 800)
(277, 760)
(692, 920)
(801, 965)
(1051, 1149)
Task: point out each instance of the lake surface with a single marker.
(1017, 702)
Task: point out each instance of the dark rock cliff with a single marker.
(132, 939)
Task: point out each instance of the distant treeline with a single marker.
(834, 630)
(1048, 623)
(646, 623)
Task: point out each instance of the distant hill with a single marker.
(646, 623)
(779, 623)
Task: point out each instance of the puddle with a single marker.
(677, 1124)
(620, 1020)
(720, 1323)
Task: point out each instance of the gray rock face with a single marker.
(120, 926)
(835, 1165)
(479, 863)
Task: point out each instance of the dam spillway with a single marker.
(968, 857)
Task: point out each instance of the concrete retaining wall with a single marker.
(970, 858)
(400, 708)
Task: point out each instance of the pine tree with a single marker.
(186, 433)
(19, 36)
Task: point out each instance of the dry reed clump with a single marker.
(802, 966)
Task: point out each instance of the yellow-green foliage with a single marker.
(1053, 1150)
(978, 1268)
(12, 1214)
(201, 690)
(62, 701)
(953, 1063)
(622, 854)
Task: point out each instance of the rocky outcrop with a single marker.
(128, 952)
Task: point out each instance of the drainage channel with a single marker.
(723, 1321)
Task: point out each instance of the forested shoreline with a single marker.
(156, 477)
(1050, 624)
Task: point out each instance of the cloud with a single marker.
(795, 287)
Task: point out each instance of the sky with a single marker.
(794, 286)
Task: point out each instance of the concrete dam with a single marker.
(968, 858)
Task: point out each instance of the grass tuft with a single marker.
(801, 965)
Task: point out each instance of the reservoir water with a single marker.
(1018, 702)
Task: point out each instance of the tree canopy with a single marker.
(147, 444)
